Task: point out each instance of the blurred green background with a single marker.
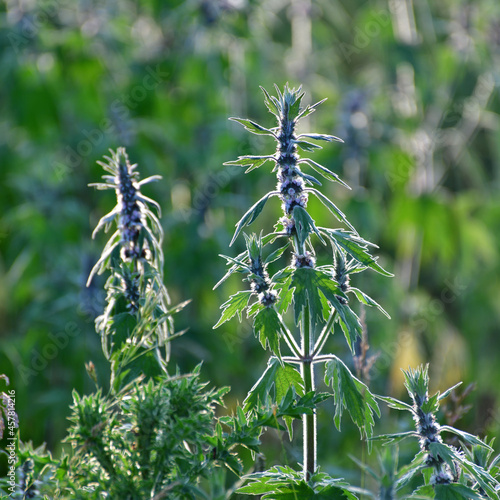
(412, 87)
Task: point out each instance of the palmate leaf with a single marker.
(348, 320)
(253, 127)
(267, 326)
(351, 393)
(309, 287)
(456, 492)
(235, 305)
(355, 246)
(251, 214)
(279, 375)
(306, 293)
(282, 482)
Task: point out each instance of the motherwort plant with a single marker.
(449, 472)
(319, 295)
(154, 433)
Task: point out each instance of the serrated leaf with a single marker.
(367, 300)
(271, 103)
(325, 172)
(276, 254)
(321, 137)
(465, 436)
(456, 492)
(449, 455)
(261, 391)
(253, 127)
(307, 146)
(352, 394)
(251, 214)
(306, 294)
(356, 247)
(309, 109)
(252, 162)
(446, 393)
(331, 206)
(235, 305)
(267, 326)
(294, 108)
(287, 376)
(348, 320)
(304, 224)
(395, 403)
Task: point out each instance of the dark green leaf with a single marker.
(351, 393)
(276, 254)
(456, 492)
(261, 391)
(306, 294)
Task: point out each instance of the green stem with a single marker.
(323, 336)
(309, 421)
(292, 345)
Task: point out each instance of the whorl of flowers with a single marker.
(428, 430)
(134, 257)
(294, 186)
(138, 236)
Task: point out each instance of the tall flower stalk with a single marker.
(319, 293)
(137, 311)
(449, 472)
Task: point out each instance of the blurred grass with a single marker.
(412, 87)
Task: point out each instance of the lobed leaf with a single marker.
(352, 394)
(325, 172)
(267, 326)
(356, 247)
(235, 305)
(253, 127)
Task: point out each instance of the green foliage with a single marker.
(318, 294)
(287, 484)
(454, 474)
(353, 395)
(153, 439)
